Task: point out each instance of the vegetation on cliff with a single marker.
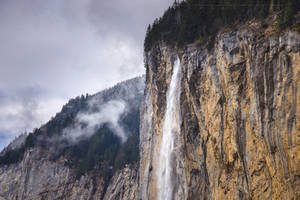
(199, 20)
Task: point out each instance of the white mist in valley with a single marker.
(171, 129)
(98, 114)
(108, 108)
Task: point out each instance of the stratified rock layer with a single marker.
(123, 185)
(37, 177)
(240, 116)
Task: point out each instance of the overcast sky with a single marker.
(54, 50)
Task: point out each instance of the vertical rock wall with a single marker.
(240, 116)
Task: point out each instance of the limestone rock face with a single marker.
(36, 177)
(240, 114)
(123, 185)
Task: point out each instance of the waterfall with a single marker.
(171, 130)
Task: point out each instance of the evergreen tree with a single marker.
(198, 20)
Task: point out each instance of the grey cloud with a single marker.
(23, 111)
(126, 17)
(66, 48)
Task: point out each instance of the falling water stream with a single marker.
(171, 130)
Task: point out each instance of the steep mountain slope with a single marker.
(80, 152)
(238, 112)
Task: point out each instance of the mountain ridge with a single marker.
(88, 164)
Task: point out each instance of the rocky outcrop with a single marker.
(240, 115)
(123, 185)
(37, 177)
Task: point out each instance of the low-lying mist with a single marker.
(87, 122)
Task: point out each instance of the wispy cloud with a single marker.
(86, 123)
(23, 111)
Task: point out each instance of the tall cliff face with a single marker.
(240, 111)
